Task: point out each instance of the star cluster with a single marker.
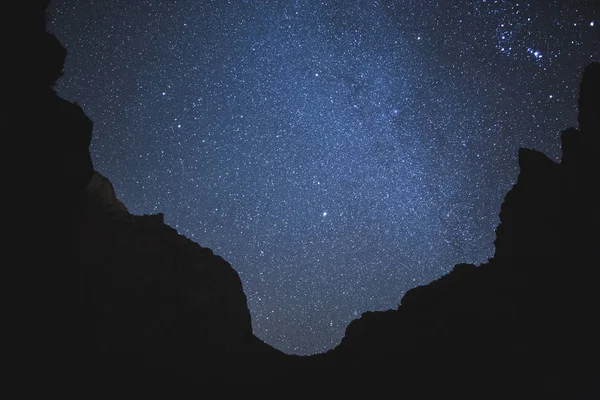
(336, 153)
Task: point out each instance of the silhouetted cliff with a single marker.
(161, 304)
(103, 297)
(526, 321)
(120, 298)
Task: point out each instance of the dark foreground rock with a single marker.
(102, 298)
(526, 322)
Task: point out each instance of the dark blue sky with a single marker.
(336, 153)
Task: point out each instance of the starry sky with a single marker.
(336, 153)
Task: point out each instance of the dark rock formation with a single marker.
(102, 297)
(158, 302)
(102, 193)
(47, 165)
(525, 322)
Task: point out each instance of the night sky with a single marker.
(336, 153)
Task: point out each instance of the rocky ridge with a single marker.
(526, 319)
(126, 299)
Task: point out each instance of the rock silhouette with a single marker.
(47, 165)
(124, 299)
(159, 301)
(523, 322)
